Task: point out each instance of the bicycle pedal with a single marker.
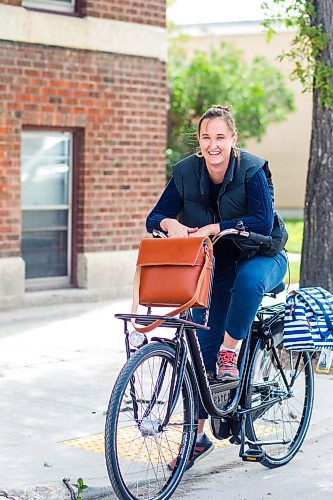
(217, 385)
(211, 377)
(253, 455)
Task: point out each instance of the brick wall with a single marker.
(119, 102)
(11, 2)
(135, 11)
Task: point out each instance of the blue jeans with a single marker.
(238, 290)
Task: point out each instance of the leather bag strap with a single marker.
(187, 305)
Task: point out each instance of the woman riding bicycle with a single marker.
(222, 187)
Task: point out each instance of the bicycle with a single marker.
(152, 415)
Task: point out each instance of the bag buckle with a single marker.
(206, 249)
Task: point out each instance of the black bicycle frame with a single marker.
(204, 387)
(201, 377)
(198, 373)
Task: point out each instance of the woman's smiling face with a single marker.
(215, 141)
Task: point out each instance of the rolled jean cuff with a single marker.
(203, 415)
(236, 334)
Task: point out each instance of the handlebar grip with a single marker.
(260, 239)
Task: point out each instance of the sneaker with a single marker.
(227, 362)
(201, 450)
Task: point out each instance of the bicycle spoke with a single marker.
(288, 418)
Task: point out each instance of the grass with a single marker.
(294, 245)
(295, 268)
(295, 231)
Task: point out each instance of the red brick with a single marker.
(120, 104)
(144, 12)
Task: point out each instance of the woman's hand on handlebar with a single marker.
(177, 230)
(203, 232)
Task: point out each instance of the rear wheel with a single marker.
(287, 419)
(138, 448)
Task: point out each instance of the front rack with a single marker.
(169, 322)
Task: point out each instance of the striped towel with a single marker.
(308, 322)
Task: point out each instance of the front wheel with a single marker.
(138, 448)
(287, 419)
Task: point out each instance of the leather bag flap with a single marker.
(171, 251)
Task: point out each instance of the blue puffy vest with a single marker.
(192, 182)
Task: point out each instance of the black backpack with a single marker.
(279, 234)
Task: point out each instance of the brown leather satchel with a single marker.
(172, 272)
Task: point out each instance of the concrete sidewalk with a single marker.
(57, 368)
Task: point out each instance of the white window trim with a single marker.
(55, 282)
(53, 5)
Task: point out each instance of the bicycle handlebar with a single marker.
(260, 239)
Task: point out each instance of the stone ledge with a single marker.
(106, 270)
(88, 33)
(12, 270)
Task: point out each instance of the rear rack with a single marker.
(169, 322)
(270, 322)
(270, 311)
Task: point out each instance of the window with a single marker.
(46, 176)
(67, 6)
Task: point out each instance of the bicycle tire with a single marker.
(137, 459)
(287, 419)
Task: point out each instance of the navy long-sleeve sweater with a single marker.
(259, 218)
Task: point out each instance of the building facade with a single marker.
(82, 140)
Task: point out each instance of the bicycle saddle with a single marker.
(278, 289)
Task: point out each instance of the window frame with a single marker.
(71, 279)
(38, 6)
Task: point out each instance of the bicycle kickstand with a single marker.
(251, 454)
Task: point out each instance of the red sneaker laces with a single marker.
(226, 358)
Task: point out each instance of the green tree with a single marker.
(312, 52)
(257, 92)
